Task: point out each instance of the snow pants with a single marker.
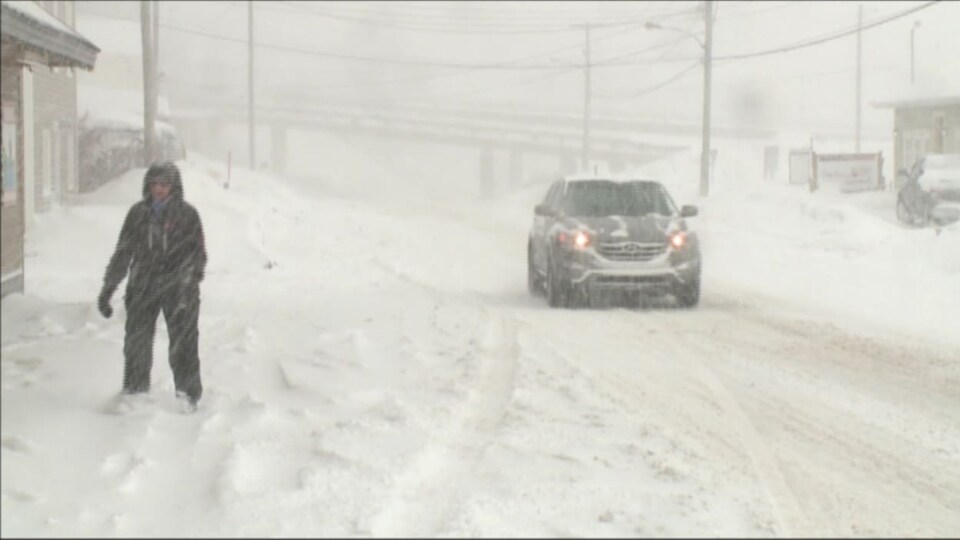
(181, 312)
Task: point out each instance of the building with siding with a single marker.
(923, 125)
(40, 52)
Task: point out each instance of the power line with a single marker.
(471, 70)
(503, 65)
(426, 12)
(692, 66)
(506, 25)
(804, 44)
(486, 90)
(612, 61)
(661, 84)
(748, 14)
(471, 27)
(511, 64)
(562, 70)
(512, 85)
(696, 11)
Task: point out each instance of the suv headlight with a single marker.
(578, 239)
(581, 239)
(678, 239)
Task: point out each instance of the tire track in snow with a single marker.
(831, 465)
(422, 496)
(666, 343)
(872, 459)
(791, 519)
(789, 514)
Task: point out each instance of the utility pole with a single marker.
(705, 137)
(916, 24)
(585, 157)
(859, 54)
(155, 76)
(155, 33)
(149, 83)
(253, 123)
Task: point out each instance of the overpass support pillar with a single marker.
(516, 168)
(208, 140)
(486, 172)
(617, 164)
(278, 148)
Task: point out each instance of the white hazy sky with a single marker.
(387, 374)
(811, 87)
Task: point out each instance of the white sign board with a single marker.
(849, 172)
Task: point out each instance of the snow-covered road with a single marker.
(376, 368)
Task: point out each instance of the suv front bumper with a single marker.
(589, 270)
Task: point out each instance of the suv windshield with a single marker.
(605, 198)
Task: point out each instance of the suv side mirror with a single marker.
(688, 210)
(543, 210)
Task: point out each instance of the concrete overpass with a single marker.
(615, 144)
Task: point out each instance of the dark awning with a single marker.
(26, 24)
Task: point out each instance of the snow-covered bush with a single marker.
(109, 149)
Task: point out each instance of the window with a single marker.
(56, 169)
(11, 179)
(69, 160)
(46, 176)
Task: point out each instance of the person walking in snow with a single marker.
(161, 246)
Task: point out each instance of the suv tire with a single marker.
(579, 297)
(535, 285)
(688, 294)
(558, 293)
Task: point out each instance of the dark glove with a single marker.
(103, 304)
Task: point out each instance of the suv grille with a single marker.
(630, 251)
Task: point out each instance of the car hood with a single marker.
(946, 181)
(652, 228)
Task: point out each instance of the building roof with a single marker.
(927, 92)
(33, 27)
(907, 103)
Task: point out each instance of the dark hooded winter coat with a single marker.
(163, 253)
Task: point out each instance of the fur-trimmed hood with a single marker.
(168, 169)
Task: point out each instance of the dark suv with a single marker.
(594, 237)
